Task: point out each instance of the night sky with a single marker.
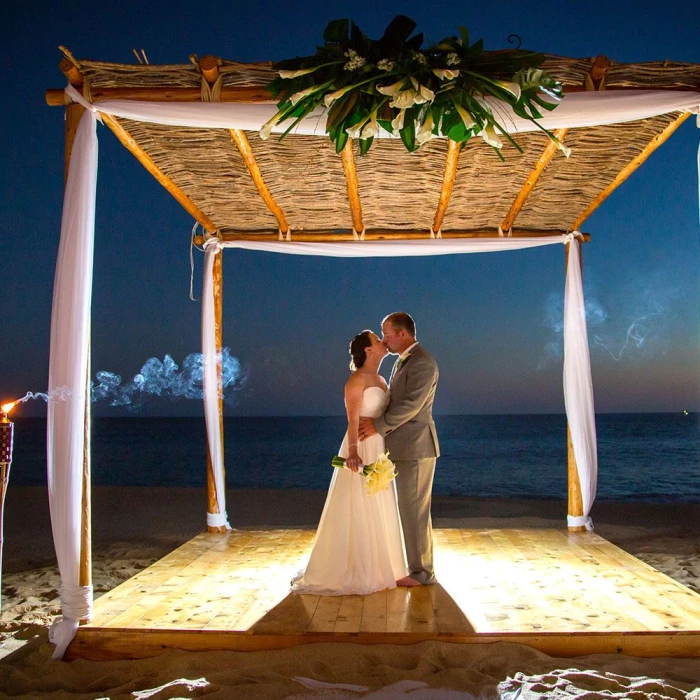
(490, 320)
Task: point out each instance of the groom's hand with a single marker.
(367, 428)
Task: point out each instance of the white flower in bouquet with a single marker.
(381, 475)
(378, 475)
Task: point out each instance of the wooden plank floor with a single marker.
(563, 593)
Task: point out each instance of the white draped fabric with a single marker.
(70, 323)
(210, 383)
(578, 387)
(579, 109)
(68, 378)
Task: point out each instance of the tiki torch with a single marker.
(6, 434)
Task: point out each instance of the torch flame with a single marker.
(7, 407)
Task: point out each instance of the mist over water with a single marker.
(635, 324)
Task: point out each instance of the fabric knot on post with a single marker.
(213, 242)
(572, 236)
(218, 520)
(79, 99)
(358, 236)
(286, 235)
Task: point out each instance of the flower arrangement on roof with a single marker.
(453, 89)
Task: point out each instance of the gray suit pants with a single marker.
(414, 486)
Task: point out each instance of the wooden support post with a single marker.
(575, 498)
(73, 115)
(212, 503)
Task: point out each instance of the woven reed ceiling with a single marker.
(397, 190)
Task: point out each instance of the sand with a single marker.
(133, 527)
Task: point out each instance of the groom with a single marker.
(409, 432)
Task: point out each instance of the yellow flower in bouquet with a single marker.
(381, 475)
(378, 475)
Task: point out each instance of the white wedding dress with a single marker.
(359, 546)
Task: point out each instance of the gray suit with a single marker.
(409, 432)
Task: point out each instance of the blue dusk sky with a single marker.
(492, 321)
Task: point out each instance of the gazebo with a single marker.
(193, 127)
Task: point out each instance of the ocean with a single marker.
(645, 457)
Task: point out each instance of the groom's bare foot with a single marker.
(408, 582)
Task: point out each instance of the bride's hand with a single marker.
(353, 462)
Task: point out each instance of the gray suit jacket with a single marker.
(407, 426)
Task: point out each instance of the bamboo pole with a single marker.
(241, 140)
(72, 72)
(657, 141)
(127, 140)
(348, 158)
(448, 181)
(212, 503)
(531, 180)
(56, 97)
(336, 236)
(575, 497)
(229, 93)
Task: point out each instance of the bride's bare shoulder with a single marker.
(356, 379)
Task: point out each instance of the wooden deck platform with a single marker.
(565, 594)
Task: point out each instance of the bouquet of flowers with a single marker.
(378, 475)
(452, 89)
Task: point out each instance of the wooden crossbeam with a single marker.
(339, 236)
(129, 142)
(657, 141)
(448, 181)
(241, 140)
(531, 180)
(56, 97)
(353, 186)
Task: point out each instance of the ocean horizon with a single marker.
(645, 457)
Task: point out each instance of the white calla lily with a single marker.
(424, 94)
(424, 134)
(397, 122)
(289, 74)
(445, 73)
(392, 89)
(564, 149)
(331, 97)
(298, 96)
(466, 117)
(404, 99)
(266, 128)
(370, 128)
(354, 131)
(491, 137)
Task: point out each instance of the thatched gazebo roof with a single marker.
(239, 185)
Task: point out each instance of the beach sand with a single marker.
(135, 526)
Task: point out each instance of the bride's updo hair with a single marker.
(358, 345)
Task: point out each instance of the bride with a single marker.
(359, 546)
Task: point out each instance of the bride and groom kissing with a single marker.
(367, 543)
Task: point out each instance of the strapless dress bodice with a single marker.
(374, 402)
